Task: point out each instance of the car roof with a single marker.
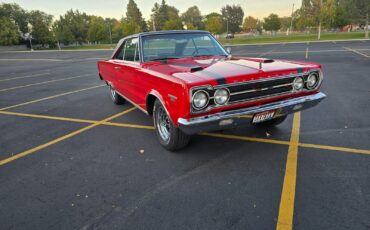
(166, 32)
(157, 33)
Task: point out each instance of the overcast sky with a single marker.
(116, 8)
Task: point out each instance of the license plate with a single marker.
(264, 116)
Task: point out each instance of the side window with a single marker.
(131, 50)
(121, 52)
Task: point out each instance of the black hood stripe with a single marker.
(219, 78)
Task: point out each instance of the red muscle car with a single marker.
(190, 84)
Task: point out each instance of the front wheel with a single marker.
(116, 98)
(169, 136)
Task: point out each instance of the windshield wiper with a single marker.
(208, 55)
(164, 58)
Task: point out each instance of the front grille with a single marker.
(252, 90)
(261, 89)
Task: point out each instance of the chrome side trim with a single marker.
(133, 103)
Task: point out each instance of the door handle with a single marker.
(117, 67)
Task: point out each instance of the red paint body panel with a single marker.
(171, 81)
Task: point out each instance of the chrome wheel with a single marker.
(113, 93)
(163, 124)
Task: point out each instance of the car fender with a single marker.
(165, 104)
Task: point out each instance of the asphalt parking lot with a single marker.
(71, 159)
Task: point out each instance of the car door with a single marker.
(127, 68)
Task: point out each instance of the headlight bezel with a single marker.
(294, 82)
(317, 76)
(193, 97)
(227, 94)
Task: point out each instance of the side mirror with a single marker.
(228, 49)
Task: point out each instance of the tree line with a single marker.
(75, 27)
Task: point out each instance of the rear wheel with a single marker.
(116, 98)
(273, 122)
(169, 136)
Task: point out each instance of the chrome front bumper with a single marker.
(234, 118)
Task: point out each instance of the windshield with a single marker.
(173, 46)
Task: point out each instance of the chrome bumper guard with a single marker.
(234, 118)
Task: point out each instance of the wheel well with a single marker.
(150, 103)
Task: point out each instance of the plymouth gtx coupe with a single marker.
(190, 84)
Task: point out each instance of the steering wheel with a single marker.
(196, 51)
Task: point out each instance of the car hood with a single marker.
(197, 71)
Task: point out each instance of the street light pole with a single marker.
(319, 34)
(30, 38)
(291, 21)
(110, 33)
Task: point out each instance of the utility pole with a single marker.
(291, 21)
(227, 25)
(319, 34)
(367, 26)
(30, 37)
(110, 33)
(153, 18)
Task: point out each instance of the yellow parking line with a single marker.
(50, 97)
(286, 209)
(34, 75)
(44, 82)
(48, 117)
(129, 125)
(242, 138)
(217, 135)
(35, 149)
(355, 51)
(335, 148)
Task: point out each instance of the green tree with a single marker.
(41, 24)
(358, 11)
(164, 17)
(214, 23)
(172, 24)
(193, 16)
(117, 31)
(328, 13)
(62, 32)
(161, 15)
(9, 32)
(190, 26)
(15, 13)
(233, 17)
(133, 13)
(130, 27)
(272, 23)
(250, 24)
(78, 23)
(285, 23)
(97, 30)
(154, 22)
(213, 14)
(308, 15)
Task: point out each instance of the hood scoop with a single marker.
(265, 61)
(190, 67)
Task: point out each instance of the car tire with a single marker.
(116, 98)
(273, 122)
(170, 137)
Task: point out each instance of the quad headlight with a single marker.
(221, 96)
(200, 99)
(298, 84)
(312, 80)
